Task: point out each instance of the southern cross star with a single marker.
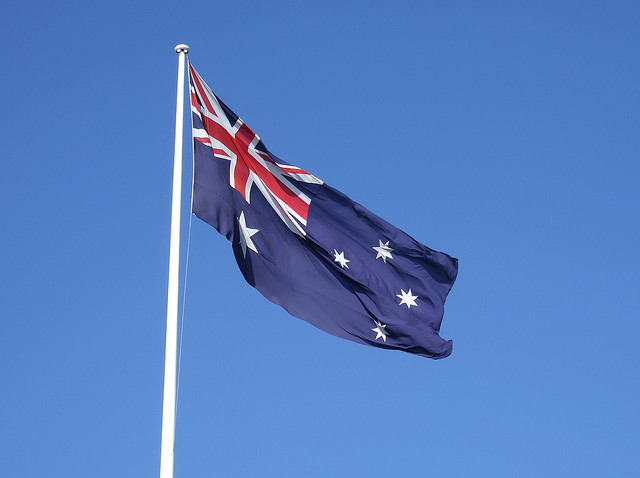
(245, 235)
(407, 298)
(379, 329)
(340, 259)
(383, 251)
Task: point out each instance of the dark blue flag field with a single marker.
(308, 247)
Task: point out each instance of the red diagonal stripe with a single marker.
(245, 162)
(202, 92)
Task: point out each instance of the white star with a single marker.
(407, 298)
(245, 235)
(384, 251)
(380, 330)
(340, 259)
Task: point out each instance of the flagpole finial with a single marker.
(182, 48)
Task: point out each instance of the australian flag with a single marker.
(308, 247)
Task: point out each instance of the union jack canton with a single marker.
(308, 247)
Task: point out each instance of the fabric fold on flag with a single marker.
(309, 248)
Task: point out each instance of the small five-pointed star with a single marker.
(379, 329)
(340, 259)
(407, 298)
(245, 235)
(383, 251)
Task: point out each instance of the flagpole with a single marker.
(167, 448)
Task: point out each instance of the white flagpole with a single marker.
(171, 351)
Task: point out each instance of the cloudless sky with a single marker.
(503, 133)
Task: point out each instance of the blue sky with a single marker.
(502, 133)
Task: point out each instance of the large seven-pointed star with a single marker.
(383, 251)
(245, 235)
(407, 298)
